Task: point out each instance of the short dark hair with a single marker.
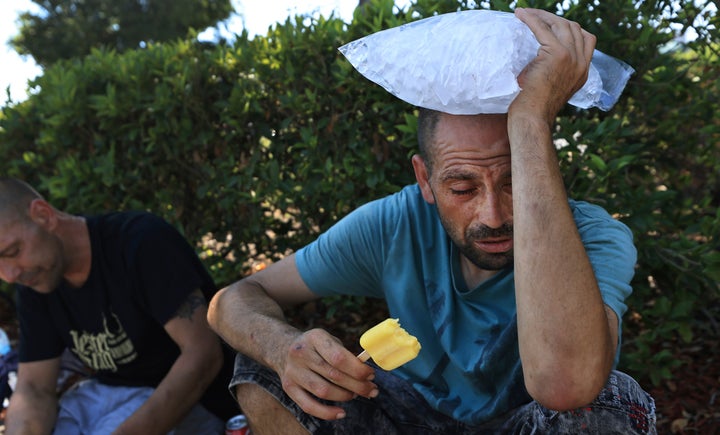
(15, 197)
(427, 124)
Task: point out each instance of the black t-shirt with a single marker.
(142, 271)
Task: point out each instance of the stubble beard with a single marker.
(50, 276)
(481, 259)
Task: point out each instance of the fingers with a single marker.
(310, 405)
(319, 367)
(336, 364)
(561, 66)
(590, 41)
(551, 30)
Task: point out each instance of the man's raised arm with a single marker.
(567, 339)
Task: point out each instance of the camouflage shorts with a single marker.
(621, 408)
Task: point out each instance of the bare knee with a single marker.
(253, 400)
(265, 414)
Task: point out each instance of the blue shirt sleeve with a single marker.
(347, 259)
(609, 245)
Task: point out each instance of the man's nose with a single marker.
(492, 211)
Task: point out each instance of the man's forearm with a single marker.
(564, 337)
(251, 323)
(30, 413)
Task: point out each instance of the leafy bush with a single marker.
(253, 147)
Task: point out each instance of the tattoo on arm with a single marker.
(193, 301)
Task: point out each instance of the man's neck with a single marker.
(472, 274)
(74, 233)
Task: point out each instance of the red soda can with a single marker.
(237, 425)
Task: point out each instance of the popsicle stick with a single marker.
(364, 356)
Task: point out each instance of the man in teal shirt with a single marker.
(514, 292)
(468, 335)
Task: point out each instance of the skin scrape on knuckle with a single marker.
(296, 349)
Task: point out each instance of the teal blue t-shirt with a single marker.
(469, 365)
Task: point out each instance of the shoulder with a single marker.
(383, 224)
(602, 233)
(134, 235)
(130, 224)
(406, 202)
(589, 216)
(586, 210)
(400, 213)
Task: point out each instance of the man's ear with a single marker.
(423, 178)
(43, 214)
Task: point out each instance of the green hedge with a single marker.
(268, 140)
(253, 147)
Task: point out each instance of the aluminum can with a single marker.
(237, 425)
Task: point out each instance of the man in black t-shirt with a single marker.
(128, 296)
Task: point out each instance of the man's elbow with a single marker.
(213, 313)
(565, 393)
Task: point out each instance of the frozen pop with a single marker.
(388, 345)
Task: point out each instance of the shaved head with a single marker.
(15, 198)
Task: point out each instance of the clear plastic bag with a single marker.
(467, 63)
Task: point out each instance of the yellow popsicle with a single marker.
(388, 345)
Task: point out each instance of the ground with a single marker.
(689, 403)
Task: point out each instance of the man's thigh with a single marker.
(621, 408)
(92, 408)
(398, 409)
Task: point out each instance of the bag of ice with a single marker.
(467, 63)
